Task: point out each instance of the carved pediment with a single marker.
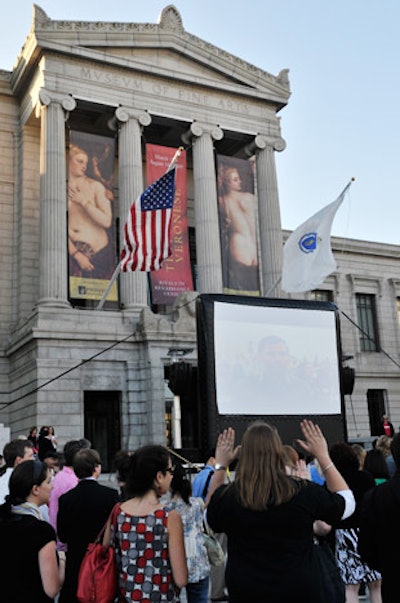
(164, 49)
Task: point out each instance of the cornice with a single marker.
(167, 33)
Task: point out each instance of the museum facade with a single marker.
(122, 98)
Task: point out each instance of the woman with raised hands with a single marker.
(268, 515)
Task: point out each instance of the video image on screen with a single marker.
(276, 360)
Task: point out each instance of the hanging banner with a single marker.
(237, 210)
(175, 275)
(91, 232)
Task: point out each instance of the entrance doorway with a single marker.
(102, 424)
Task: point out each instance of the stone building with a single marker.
(103, 372)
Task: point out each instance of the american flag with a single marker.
(147, 229)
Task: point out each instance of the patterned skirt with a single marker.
(352, 569)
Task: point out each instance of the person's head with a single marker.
(78, 160)
(395, 449)
(375, 464)
(150, 468)
(54, 460)
(345, 459)
(261, 477)
(383, 443)
(16, 451)
(209, 457)
(33, 431)
(273, 354)
(70, 449)
(85, 443)
(44, 431)
(360, 452)
(232, 179)
(30, 481)
(87, 463)
(180, 484)
(385, 419)
(121, 464)
(291, 458)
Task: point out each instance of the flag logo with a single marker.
(307, 253)
(308, 242)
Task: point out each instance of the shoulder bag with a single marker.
(98, 575)
(215, 552)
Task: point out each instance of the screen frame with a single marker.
(333, 425)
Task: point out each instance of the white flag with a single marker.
(307, 254)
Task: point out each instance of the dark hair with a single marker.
(345, 459)
(121, 464)
(269, 340)
(85, 443)
(209, 454)
(70, 449)
(375, 464)
(14, 449)
(180, 483)
(24, 476)
(58, 457)
(144, 465)
(85, 462)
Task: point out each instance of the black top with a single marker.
(380, 534)
(360, 483)
(82, 512)
(270, 553)
(45, 445)
(21, 539)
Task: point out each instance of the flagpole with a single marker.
(108, 289)
(174, 159)
(347, 187)
(273, 287)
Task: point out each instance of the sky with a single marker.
(342, 119)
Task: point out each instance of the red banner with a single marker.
(175, 275)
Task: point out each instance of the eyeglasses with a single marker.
(170, 470)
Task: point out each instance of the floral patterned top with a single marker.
(192, 519)
(141, 548)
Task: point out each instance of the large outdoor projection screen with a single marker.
(274, 359)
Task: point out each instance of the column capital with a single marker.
(123, 114)
(46, 97)
(198, 128)
(262, 141)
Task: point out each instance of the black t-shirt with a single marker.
(21, 539)
(270, 553)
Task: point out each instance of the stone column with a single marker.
(133, 285)
(53, 285)
(206, 206)
(270, 227)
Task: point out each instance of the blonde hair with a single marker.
(75, 150)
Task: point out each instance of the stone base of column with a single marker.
(53, 302)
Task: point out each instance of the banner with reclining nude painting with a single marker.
(91, 229)
(174, 276)
(237, 210)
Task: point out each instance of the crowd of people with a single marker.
(271, 505)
